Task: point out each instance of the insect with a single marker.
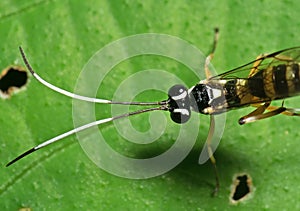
(270, 77)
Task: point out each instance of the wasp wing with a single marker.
(241, 85)
(262, 63)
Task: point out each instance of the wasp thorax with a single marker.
(179, 104)
(200, 98)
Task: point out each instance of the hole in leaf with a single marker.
(241, 188)
(12, 79)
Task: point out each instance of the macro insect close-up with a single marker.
(270, 77)
(140, 105)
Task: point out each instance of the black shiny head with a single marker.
(179, 104)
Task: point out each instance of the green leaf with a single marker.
(59, 37)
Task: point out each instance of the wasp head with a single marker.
(179, 104)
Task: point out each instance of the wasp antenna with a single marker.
(26, 61)
(57, 89)
(83, 127)
(75, 96)
(21, 156)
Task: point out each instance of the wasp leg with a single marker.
(288, 111)
(258, 114)
(261, 58)
(211, 155)
(284, 58)
(211, 55)
(260, 109)
(256, 64)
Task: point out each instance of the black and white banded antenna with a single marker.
(177, 104)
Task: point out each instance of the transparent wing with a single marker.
(291, 55)
(273, 59)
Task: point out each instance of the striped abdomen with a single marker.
(276, 82)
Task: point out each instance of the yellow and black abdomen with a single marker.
(276, 82)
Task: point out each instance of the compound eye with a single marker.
(177, 91)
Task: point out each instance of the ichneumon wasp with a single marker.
(270, 77)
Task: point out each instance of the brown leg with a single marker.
(211, 155)
(258, 61)
(288, 111)
(261, 58)
(284, 58)
(212, 119)
(211, 55)
(259, 113)
(260, 109)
